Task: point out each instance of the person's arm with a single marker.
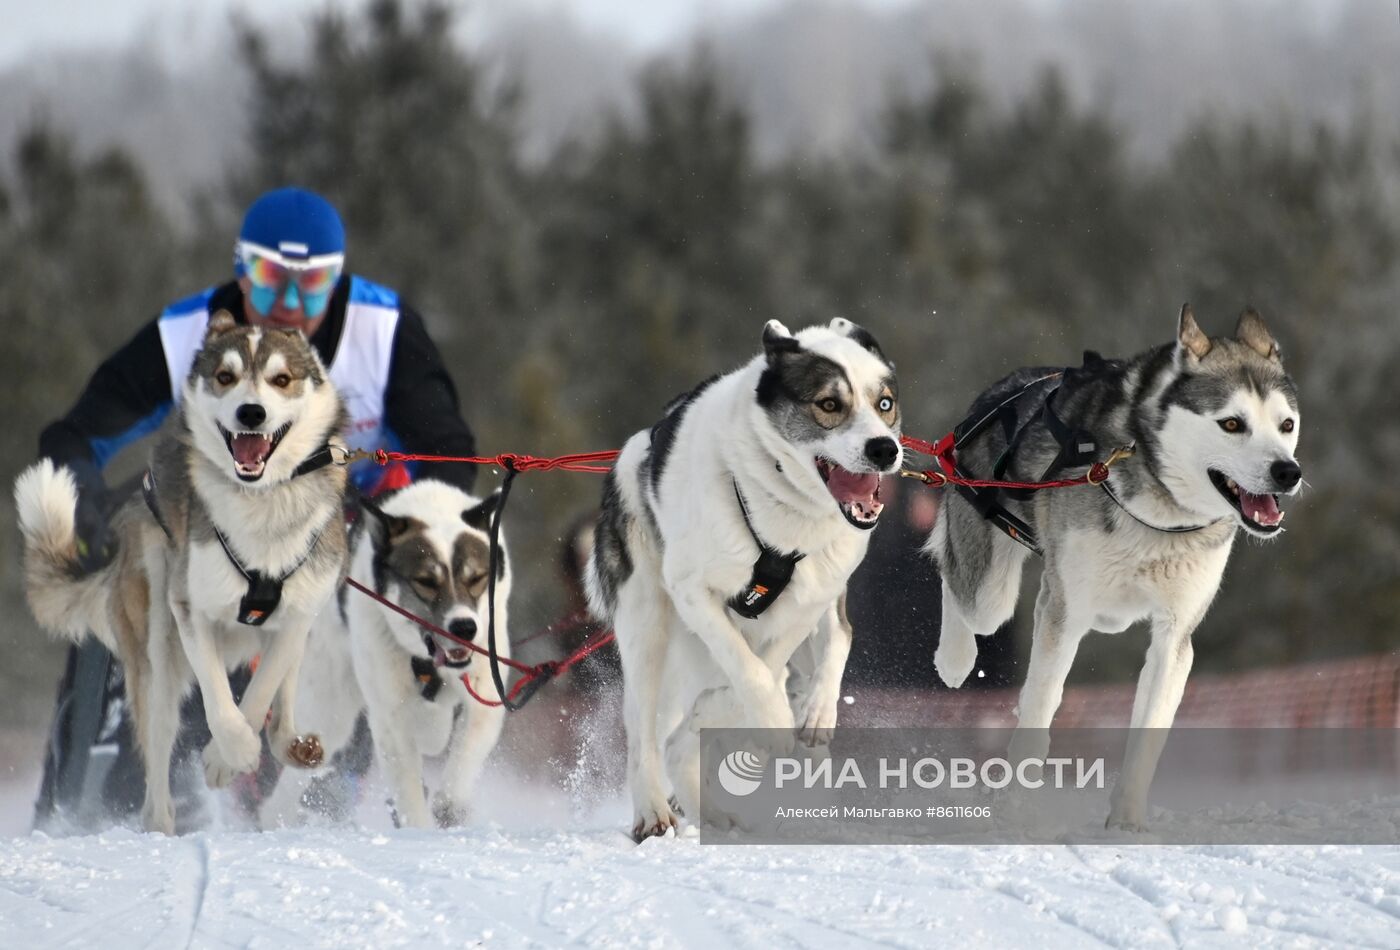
(421, 405)
(126, 398)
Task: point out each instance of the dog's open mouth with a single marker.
(453, 657)
(856, 493)
(1260, 513)
(251, 450)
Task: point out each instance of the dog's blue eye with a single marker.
(885, 404)
(1234, 424)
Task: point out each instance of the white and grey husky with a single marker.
(425, 548)
(238, 544)
(1215, 423)
(726, 537)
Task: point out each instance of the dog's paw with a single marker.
(235, 749)
(655, 823)
(1125, 824)
(159, 819)
(300, 752)
(449, 813)
(954, 659)
(818, 723)
(675, 804)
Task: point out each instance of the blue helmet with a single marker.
(295, 223)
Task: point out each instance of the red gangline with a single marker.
(549, 668)
(943, 452)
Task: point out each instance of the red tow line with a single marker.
(548, 669)
(943, 452)
(594, 462)
(600, 463)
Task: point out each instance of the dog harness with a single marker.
(264, 591)
(772, 572)
(425, 672)
(1076, 447)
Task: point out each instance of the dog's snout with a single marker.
(463, 628)
(1286, 474)
(250, 414)
(882, 452)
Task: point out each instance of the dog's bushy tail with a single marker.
(65, 601)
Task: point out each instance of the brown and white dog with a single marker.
(235, 550)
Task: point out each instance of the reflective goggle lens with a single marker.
(268, 274)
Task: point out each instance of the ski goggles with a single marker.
(306, 283)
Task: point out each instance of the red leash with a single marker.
(942, 451)
(596, 462)
(549, 669)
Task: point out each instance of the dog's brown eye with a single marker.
(476, 579)
(829, 405)
(427, 580)
(225, 378)
(1232, 424)
(1287, 426)
(281, 380)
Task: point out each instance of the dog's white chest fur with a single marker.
(1119, 578)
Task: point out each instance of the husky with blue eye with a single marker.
(237, 544)
(1215, 424)
(727, 534)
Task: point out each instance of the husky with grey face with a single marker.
(1215, 422)
(427, 549)
(726, 537)
(238, 545)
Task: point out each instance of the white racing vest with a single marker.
(359, 368)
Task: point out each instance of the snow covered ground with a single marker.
(543, 869)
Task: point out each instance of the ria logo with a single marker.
(740, 773)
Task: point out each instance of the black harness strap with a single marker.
(1077, 447)
(316, 460)
(1170, 529)
(772, 572)
(425, 672)
(264, 592)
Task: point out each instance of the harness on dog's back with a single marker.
(1076, 447)
(264, 591)
(772, 572)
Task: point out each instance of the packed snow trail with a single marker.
(493, 886)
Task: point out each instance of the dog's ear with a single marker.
(1252, 333)
(479, 516)
(1189, 336)
(388, 527)
(219, 324)
(863, 337)
(777, 340)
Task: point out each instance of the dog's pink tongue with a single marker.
(439, 655)
(250, 449)
(849, 487)
(1261, 509)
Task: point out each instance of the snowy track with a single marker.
(312, 888)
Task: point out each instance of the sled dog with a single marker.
(1215, 424)
(237, 544)
(726, 537)
(425, 548)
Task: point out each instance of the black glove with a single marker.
(97, 544)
